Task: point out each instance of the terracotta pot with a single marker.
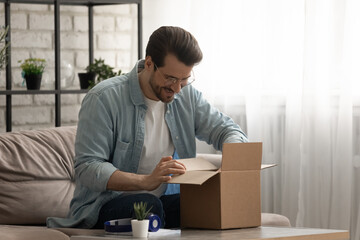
(86, 78)
(33, 81)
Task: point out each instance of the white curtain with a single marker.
(289, 73)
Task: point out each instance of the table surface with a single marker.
(274, 233)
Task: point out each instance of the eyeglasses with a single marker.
(172, 80)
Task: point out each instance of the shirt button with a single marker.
(168, 112)
(177, 137)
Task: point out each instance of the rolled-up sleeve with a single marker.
(94, 144)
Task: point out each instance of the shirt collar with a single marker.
(135, 90)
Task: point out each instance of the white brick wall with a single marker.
(2, 113)
(18, 21)
(81, 24)
(67, 113)
(32, 35)
(109, 41)
(31, 115)
(104, 24)
(22, 100)
(29, 7)
(74, 41)
(38, 21)
(31, 39)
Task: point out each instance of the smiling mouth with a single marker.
(169, 90)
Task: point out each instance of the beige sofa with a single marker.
(37, 181)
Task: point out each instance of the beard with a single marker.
(164, 94)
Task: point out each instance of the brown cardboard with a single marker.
(241, 156)
(225, 198)
(198, 170)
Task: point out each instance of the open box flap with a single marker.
(216, 160)
(198, 170)
(235, 157)
(211, 157)
(199, 177)
(263, 166)
(193, 177)
(241, 156)
(197, 164)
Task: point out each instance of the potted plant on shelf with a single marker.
(140, 225)
(95, 73)
(32, 70)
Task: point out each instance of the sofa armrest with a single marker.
(272, 219)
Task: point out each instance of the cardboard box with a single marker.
(226, 197)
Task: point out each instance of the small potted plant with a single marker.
(32, 70)
(95, 73)
(140, 225)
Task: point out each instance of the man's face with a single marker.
(162, 81)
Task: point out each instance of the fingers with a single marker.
(169, 162)
(181, 164)
(165, 178)
(171, 168)
(175, 171)
(163, 171)
(166, 159)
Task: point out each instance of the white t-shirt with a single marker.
(157, 141)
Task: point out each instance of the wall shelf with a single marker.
(24, 92)
(57, 92)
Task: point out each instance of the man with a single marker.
(131, 128)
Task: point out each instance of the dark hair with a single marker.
(174, 40)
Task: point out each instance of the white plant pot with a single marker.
(140, 229)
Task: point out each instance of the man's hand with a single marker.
(160, 174)
(124, 181)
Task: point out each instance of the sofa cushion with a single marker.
(36, 174)
(30, 233)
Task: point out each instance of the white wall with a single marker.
(32, 35)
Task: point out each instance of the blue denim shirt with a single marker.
(110, 136)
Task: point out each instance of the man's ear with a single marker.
(149, 63)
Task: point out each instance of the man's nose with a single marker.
(176, 86)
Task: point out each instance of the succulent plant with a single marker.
(140, 210)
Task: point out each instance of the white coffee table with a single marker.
(270, 233)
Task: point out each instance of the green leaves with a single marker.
(33, 66)
(4, 46)
(140, 210)
(103, 70)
